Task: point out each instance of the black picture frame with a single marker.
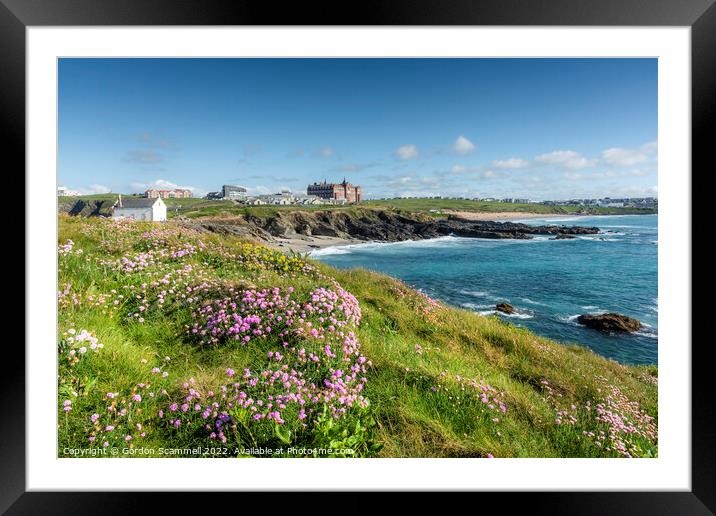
(700, 15)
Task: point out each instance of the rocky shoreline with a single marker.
(372, 225)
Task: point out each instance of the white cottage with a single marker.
(140, 209)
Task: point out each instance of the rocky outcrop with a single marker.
(85, 208)
(610, 322)
(375, 225)
(563, 236)
(235, 226)
(505, 308)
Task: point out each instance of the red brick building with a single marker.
(336, 191)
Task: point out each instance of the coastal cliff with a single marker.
(371, 225)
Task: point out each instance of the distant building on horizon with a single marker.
(336, 191)
(63, 191)
(233, 192)
(177, 193)
(286, 198)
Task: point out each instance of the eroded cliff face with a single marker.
(83, 208)
(373, 225)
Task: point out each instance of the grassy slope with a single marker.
(423, 357)
(416, 422)
(496, 206)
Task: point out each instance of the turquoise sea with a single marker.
(550, 282)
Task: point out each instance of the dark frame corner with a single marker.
(700, 15)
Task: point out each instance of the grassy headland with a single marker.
(426, 204)
(197, 207)
(170, 338)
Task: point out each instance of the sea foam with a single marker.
(443, 241)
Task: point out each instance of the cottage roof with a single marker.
(141, 202)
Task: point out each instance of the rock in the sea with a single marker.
(563, 236)
(609, 322)
(505, 308)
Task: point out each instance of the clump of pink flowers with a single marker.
(491, 401)
(422, 303)
(612, 422)
(67, 249)
(317, 366)
(313, 368)
(625, 421)
(121, 422)
(253, 314)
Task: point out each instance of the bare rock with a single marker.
(505, 308)
(609, 322)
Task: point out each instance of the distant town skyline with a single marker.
(529, 128)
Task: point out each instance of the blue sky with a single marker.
(536, 128)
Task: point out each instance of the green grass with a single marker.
(423, 357)
(204, 208)
(199, 208)
(415, 422)
(426, 204)
(93, 197)
(196, 208)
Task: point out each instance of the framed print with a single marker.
(445, 249)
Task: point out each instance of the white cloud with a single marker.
(463, 146)
(617, 156)
(98, 189)
(259, 190)
(607, 174)
(635, 191)
(409, 183)
(94, 189)
(406, 152)
(623, 157)
(568, 159)
(326, 152)
(163, 184)
(510, 163)
(474, 172)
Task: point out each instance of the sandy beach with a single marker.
(306, 244)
